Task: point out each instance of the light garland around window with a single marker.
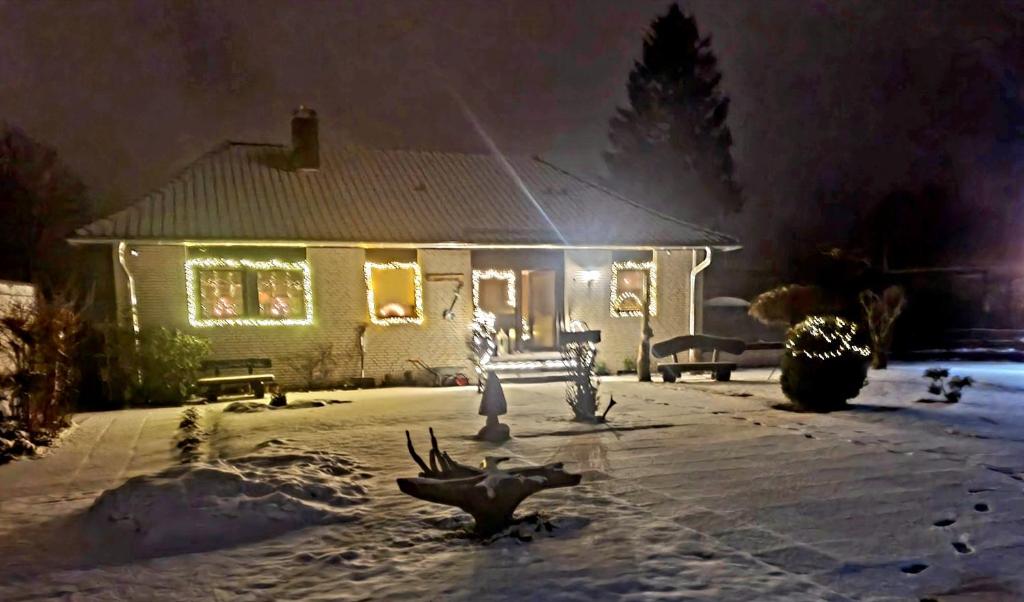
(217, 263)
(509, 276)
(368, 269)
(617, 298)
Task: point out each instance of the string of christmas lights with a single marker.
(617, 299)
(417, 317)
(830, 330)
(509, 276)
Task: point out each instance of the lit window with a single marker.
(220, 294)
(494, 291)
(242, 292)
(627, 285)
(394, 292)
(280, 294)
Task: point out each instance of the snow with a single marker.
(697, 490)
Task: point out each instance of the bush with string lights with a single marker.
(825, 363)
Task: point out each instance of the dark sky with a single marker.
(824, 91)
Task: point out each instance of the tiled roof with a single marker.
(246, 192)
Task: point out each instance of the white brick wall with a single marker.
(339, 308)
(339, 299)
(620, 336)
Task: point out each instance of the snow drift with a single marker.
(205, 506)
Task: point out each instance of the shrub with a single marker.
(161, 368)
(629, 364)
(316, 365)
(951, 389)
(824, 364)
(581, 387)
(788, 304)
(481, 344)
(40, 343)
(881, 313)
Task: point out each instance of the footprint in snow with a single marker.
(981, 507)
(913, 569)
(962, 548)
(944, 522)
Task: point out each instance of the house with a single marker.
(276, 251)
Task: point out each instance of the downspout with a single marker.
(697, 269)
(133, 300)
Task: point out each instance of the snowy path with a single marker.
(700, 493)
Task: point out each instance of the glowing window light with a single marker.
(617, 298)
(377, 315)
(509, 276)
(192, 266)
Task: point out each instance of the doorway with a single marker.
(538, 310)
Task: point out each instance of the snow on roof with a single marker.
(247, 192)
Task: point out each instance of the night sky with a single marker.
(828, 94)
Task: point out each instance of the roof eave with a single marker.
(90, 240)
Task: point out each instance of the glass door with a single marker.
(538, 309)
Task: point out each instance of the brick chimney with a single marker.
(305, 139)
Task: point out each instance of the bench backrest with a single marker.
(579, 336)
(702, 342)
(248, 363)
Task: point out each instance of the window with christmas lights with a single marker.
(394, 287)
(244, 292)
(221, 294)
(494, 292)
(627, 287)
(280, 294)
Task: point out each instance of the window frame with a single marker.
(509, 276)
(651, 267)
(249, 267)
(371, 305)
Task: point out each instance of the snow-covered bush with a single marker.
(482, 345)
(40, 344)
(580, 358)
(788, 304)
(951, 389)
(160, 369)
(825, 363)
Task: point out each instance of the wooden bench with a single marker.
(721, 371)
(256, 382)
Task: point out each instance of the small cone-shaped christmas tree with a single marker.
(492, 405)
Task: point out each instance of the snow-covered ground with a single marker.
(697, 490)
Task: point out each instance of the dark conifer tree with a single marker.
(670, 149)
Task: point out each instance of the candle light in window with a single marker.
(392, 310)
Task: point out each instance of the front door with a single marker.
(539, 310)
